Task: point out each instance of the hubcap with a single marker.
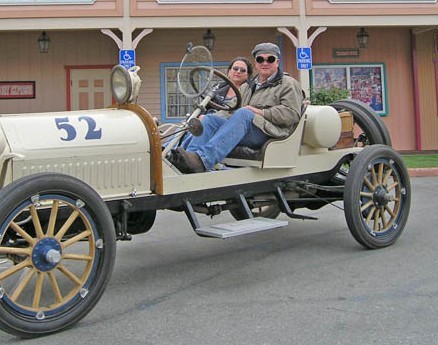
(381, 197)
(46, 254)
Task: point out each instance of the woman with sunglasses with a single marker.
(272, 110)
(239, 71)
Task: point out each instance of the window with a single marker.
(174, 105)
(366, 83)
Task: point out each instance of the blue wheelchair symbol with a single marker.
(127, 58)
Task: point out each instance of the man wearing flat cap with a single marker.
(272, 107)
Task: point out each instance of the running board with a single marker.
(241, 227)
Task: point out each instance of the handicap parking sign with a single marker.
(127, 58)
(304, 58)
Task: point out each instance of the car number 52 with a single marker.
(64, 124)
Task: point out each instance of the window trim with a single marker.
(163, 88)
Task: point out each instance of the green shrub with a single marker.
(327, 96)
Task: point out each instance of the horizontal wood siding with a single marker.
(100, 8)
(153, 8)
(167, 46)
(23, 61)
(427, 90)
(325, 8)
(398, 65)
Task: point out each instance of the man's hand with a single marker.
(255, 110)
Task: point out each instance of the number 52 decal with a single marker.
(63, 123)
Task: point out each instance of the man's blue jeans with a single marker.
(222, 135)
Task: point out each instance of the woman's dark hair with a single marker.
(245, 60)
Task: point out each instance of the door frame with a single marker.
(69, 68)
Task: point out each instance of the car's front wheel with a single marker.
(57, 251)
(377, 196)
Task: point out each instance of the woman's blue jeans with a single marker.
(221, 136)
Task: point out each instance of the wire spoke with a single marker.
(53, 216)
(67, 225)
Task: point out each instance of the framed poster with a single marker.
(366, 83)
(17, 89)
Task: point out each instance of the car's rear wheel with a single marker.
(57, 251)
(140, 222)
(372, 128)
(377, 196)
(369, 129)
(265, 206)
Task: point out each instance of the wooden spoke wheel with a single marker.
(377, 196)
(369, 129)
(57, 251)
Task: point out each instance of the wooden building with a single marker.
(396, 73)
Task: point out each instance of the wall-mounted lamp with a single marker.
(362, 38)
(44, 43)
(209, 40)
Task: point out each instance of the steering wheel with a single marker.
(215, 103)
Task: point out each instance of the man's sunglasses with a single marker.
(269, 59)
(241, 69)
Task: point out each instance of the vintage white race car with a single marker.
(72, 183)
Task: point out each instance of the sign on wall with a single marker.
(127, 58)
(17, 89)
(304, 58)
(366, 83)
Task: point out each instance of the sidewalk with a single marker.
(421, 172)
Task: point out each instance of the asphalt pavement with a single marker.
(307, 283)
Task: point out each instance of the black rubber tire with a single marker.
(96, 236)
(141, 222)
(366, 118)
(377, 196)
(372, 126)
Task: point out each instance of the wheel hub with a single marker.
(381, 197)
(46, 254)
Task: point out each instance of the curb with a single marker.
(422, 172)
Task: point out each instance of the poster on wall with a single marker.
(17, 89)
(366, 83)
